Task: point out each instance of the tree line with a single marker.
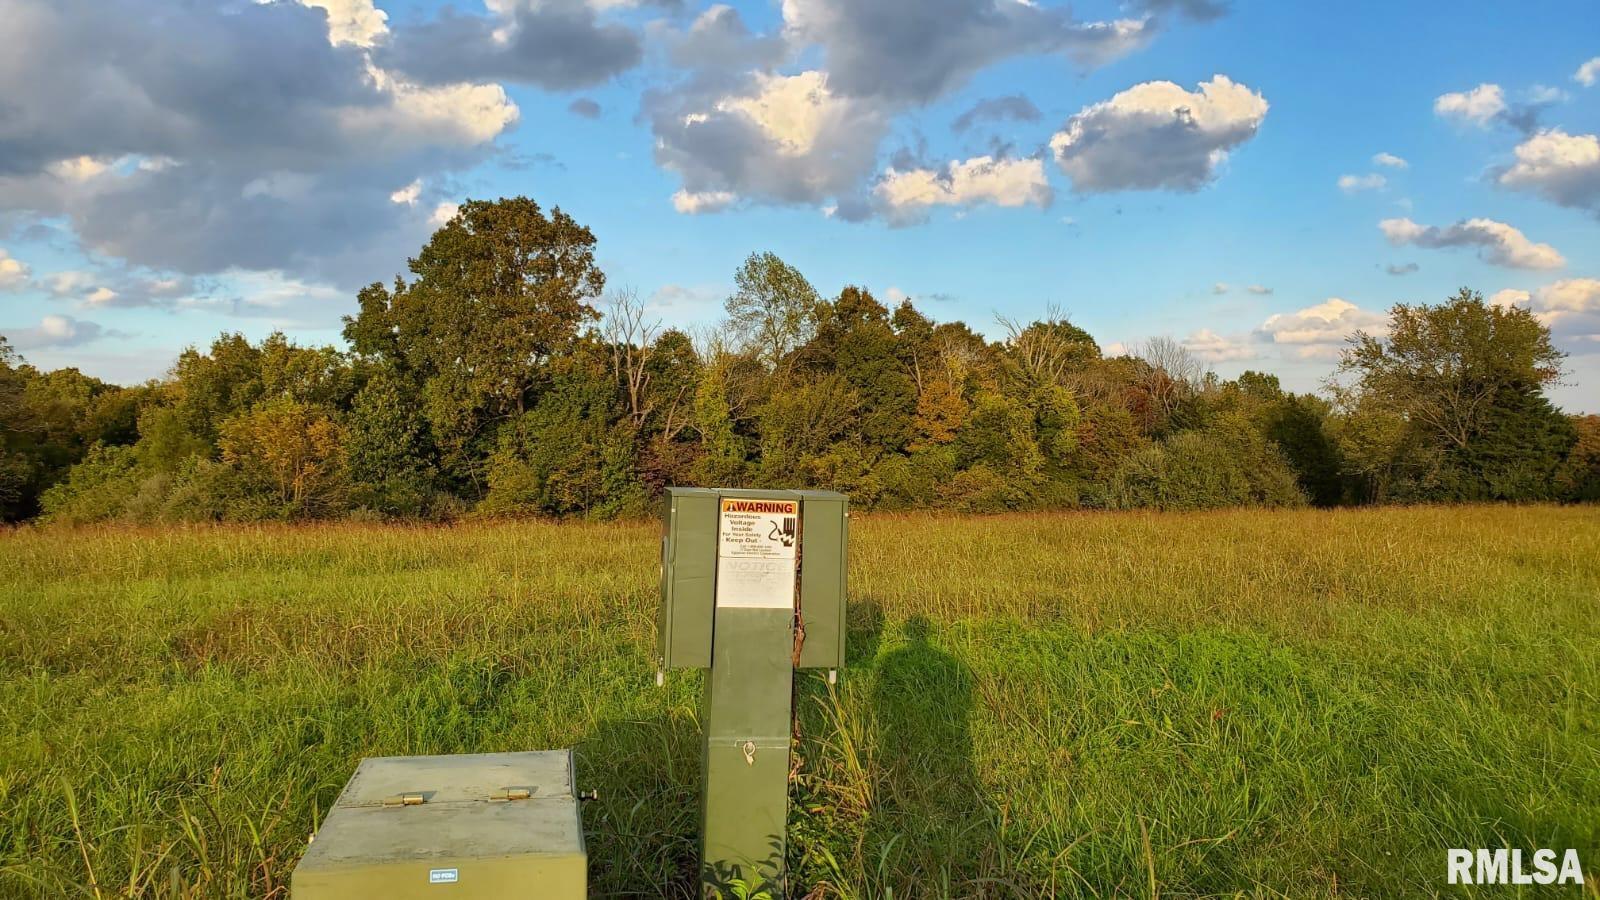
(502, 378)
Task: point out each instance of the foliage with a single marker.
(1449, 404)
(488, 382)
(773, 309)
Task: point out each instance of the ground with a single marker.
(1302, 703)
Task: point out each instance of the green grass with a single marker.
(1297, 704)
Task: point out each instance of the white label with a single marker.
(756, 552)
(443, 876)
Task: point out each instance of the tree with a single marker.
(497, 292)
(387, 452)
(1456, 391)
(1051, 349)
(288, 457)
(773, 309)
(1444, 366)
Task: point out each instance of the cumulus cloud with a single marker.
(703, 201)
(118, 287)
(1220, 287)
(1486, 105)
(1562, 168)
(14, 273)
(1157, 135)
(282, 128)
(1320, 331)
(916, 50)
(1588, 73)
(1497, 243)
(1213, 347)
(1355, 184)
(719, 39)
(1509, 297)
(1258, 289)
(773, 138)
(1570, 308)
(1390, 160)
(1479, 106)
(57, 331)
(407, 195)
(356, 22)
(555, 44)
(997, 109)
(585, 107)
(907, 195)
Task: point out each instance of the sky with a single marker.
(1256, 180)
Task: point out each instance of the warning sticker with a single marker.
(756, 552)
(764, 529)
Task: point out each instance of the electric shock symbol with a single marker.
(783, 532)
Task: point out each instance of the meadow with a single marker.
(1262, 703)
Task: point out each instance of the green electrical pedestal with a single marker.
(752, 587)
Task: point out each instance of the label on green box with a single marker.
(756, 552)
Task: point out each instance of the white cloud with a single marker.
(694, 203)
(791, 110)
(407, 196)
(100, 296)
(773, 138)
(1259, 289)
(1588, 73)
(55, 331)
(1220, 287)
(464, 114)
(1352, 184)
(355, 22)
(1497, 242)
(1390, 160)
(69, 283)
(443, 213)
(895, 296)
(1510, 297)
(1318, 332)
(1563, 168)
(13, 272)
(1479, 106)
(1570, 308)
(1213, 347)
(78, 168)
(1157, 135)
(982, 179)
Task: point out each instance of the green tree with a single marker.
(1460, 388)
(497, 292)
(773, 308)
(387, 453)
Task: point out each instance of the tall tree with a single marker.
(1460, 386)
(497, 291)
(773, 309)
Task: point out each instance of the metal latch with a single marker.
(505, 794)
(404, 800)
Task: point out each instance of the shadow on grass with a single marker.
(930, 812)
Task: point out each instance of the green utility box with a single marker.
(472, 825)
(752, 587)
(690, 548)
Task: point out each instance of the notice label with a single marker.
(756, 552)
(443, 876)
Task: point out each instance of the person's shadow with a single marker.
(928, 792)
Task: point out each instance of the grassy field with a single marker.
(1298, 704)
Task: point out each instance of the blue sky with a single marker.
(1169, 167)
